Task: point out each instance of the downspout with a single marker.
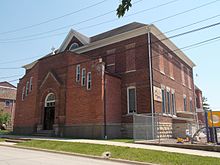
(104, 100)
(151, 79)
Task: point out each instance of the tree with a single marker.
(4, 119)
(123, 7)
(206, 106)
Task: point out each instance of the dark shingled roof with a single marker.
(116, 31)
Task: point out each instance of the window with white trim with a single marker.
(191, 104)
(173, 100)
(131, 99)
(189, 80)
(77, 73)
(171, 66)
(50, 100)
(163, 100)
(73, 46)
(161, 59)
(31, 86)
(168, 102)
(27, 88)
(89, 80)
(23, 92)
(182, 74)
(83, 81)
(184, 103)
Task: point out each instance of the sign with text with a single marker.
(214, 118)
(157, 94)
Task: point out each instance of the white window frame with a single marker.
(27, 88)
(190, 104)
(183, 75)
(50, 102)
(89, 80)
(164, 101)
(74, 46)
(128, 105)
(23, 93)
(184, 105)
(168, 100)
(77, 73)
(173, 100)
(189, 79)
(83, 83)
(31, 85)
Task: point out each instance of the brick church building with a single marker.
(91, 87)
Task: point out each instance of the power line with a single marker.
(168, 31)
(89, 19)
(186, 47)
(119, 52)
(174, 36)
(53, 19)
(90, 26)
(190, 31)
(186, 11)
(194, 23)
(192, 46)
(18, 75)
(36, 38)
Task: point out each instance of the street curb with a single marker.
(80, 155)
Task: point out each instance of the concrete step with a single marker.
(46, 133)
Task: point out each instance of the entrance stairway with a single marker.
(44, 133)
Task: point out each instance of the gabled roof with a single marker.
(116, 31)
(72, 33)
(116, 35)
(7, 91)
(6, 84)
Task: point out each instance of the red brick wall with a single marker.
(198, 98)
(25, 110)
(113, 99)
(165, 78)
(138, 77)
(85, 106)
(74, 103)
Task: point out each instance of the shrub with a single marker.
(4, 119)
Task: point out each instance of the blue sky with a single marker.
(18, 49)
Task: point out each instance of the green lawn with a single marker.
(3, 132)
(143, 155)
(1, 139)
(122, 140)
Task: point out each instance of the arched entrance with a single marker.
(49, 111)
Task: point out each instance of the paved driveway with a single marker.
(14, 156)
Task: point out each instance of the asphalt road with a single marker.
(14, 156)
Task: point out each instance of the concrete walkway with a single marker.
(131, 145)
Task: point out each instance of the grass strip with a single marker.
(134, 154)
(122, 140)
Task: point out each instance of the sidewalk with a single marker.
(131, 145)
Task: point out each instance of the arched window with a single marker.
(73, 46)
(50, 100)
